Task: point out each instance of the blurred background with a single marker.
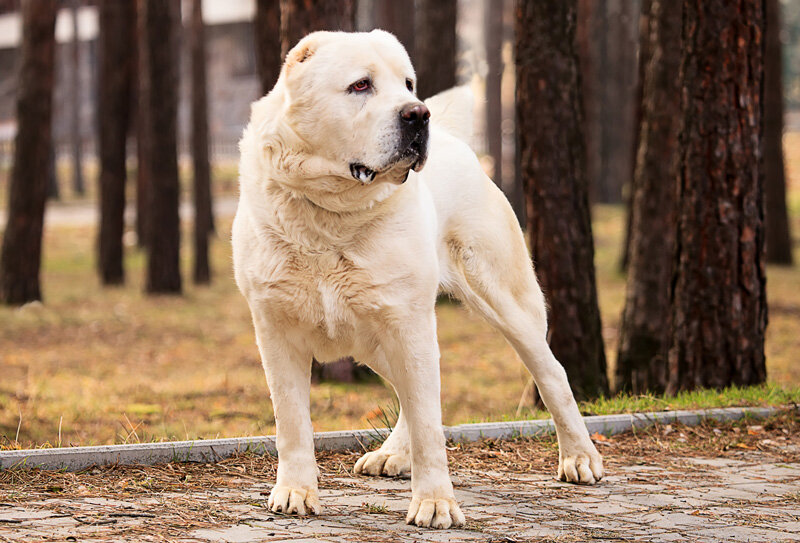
(112, 344)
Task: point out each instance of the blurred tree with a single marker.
(53, 190)
(117, 37)
(143, 144)
(267, 34)
(435, 46)
(643, 58)
(779, 238)
(75, 99)
(641, 364)
(590, 41)
(553, 161)
(397, 17)
(203, 214)
(21, 256)
(301, 17)
(162, 18)
(718, 296)
(493, 42)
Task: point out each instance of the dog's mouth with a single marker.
(410, 157)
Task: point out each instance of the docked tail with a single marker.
(451, 110)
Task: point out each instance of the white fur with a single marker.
(331, 266)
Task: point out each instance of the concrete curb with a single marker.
(213, 450)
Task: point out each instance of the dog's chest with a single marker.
(327, 291)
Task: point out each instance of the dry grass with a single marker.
(94, 366)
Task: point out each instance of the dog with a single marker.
(358, 204)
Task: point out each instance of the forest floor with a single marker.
(736, 481)
(98, 366)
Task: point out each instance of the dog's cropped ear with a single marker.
(304, 49)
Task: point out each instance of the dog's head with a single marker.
(350, 97)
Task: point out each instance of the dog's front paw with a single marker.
(438, 513)
(391, 464)
(583, 466)
(294, 501)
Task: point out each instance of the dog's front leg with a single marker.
(414, 359)
(288, 373)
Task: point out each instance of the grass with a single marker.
(97, 366)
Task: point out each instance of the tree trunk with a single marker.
(143, 143)
(301, 17)
(163, 250)
(779, 238)
(397, 17)
(203, 217)
(267, 34)
(638, 93)
(642, 360)
(553, 164)
(75, 95)
(21, 256)
(435, 46)
(493, 41)
(115, 41)
(718, 298)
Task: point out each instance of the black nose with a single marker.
(416, 115)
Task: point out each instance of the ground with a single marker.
(716, 482)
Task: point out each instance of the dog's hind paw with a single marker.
(435, 513)
(384, 463)
(294, 501)
(585, 468)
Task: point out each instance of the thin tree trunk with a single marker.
(718, 298)
(435, 46)
(493, 41)
(267, 34)
(778, 231)
(553, 162)
(644, 54)
(75, 95)
(163, 250)
(53, 190)
(642, 360)
(115, 41)
(397, 17)
(21, 256)
(301, 17)
(143, 143)
(203, 218)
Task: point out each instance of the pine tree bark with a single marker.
(779, 238)
(435, 46)
(116, 39)
(301, 17)
(590, 41)
(75, 96)
(267, 34)
(553, 164)
(203, 215)
(397, 17)
(719, 306)
(493, 42)
(644, 339)
(20, 260)
(163, 241)
(143, 143)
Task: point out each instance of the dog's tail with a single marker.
(451, 110)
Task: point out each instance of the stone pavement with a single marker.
(750, 498)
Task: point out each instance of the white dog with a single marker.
(342, 240)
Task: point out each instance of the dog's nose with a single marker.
(416, 115)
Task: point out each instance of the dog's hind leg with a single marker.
(288, 373)
(489, 269)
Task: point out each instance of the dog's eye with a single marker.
(410, 85)
(361, 85)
